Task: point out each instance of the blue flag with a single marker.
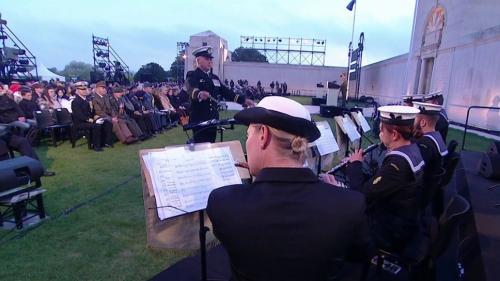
(351, 5)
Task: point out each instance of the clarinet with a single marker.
(342, 165)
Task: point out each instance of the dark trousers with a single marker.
(205, 135)
(101, 133)
(144, 123)
(17, 143)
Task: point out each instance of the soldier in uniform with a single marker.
(393, 193)
(204, 88)
(443, 123)
(433, 149)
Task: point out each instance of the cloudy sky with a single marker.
(59, 31)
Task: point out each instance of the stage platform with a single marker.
(479, 248)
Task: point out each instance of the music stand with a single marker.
(180, 232)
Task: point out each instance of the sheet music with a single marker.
(326, 143)
(184, 179)
(348, 127)
(361, 121)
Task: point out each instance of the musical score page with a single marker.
(326, 143)
(183, 179)
(348, 127)
(361, 121)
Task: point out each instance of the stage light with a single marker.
(24, 61)
(99, 53)
(3, 37)
(21, 69)
(279, 40)
(102, 64)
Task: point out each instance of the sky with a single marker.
(58, 32)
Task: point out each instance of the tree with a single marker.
(247, 54)
(151, 72)
(77, 69)
(177, 68)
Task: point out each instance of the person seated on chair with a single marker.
(20, 144)
(287, 224)
(125, 128)
(83, 117)
(393, 193)
(134, 109)
(433, 149)
(102, 111)
(28, 106)
(11, 113)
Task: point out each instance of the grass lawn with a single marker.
(96, 227)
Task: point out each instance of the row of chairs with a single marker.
(388, 266)
(58, 120)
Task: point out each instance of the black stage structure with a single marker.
(108, 65)
(16, 60)
(354, 66)
(287, 50)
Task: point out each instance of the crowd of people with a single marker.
(107, 111)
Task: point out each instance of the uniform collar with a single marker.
(286, 175)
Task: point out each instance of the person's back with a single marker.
(287, 225)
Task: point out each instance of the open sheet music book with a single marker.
(326, 144)
(183, 179)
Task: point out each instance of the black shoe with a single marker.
(48, 173)
(98, 149)
(109, 145)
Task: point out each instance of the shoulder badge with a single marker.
(377, 180)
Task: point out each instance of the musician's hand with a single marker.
(330, 179)
(241, 164)
(356, 156)
(249, 103)
(22, 119)
(203, 95)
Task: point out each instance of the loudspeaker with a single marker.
(494, 147)
(489, 167)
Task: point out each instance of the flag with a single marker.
(351, 5)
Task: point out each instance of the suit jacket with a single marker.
(197, 81)
(115, 107)
(287, 225)
(81, 110)
(101, 106)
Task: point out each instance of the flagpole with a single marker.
(350, 53)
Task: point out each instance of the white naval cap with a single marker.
(283, 114)
(427, 108)
(204, 51)
(398, 114)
